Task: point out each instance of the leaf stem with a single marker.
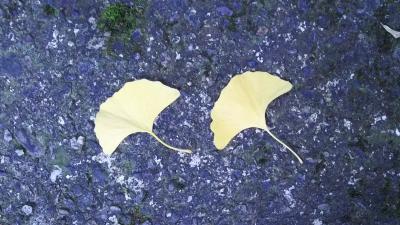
(169, 146)
(281, 142)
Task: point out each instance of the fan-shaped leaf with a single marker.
(132, 109)
(242, 105)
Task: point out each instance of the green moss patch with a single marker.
(138, 217)
(49, 10)
(61, 158)
(121, 20)
(118, 18)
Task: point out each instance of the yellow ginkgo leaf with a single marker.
(242, 104)
(132, 109)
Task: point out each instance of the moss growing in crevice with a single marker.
(138, 217)
(120, 20)
(178, 183)
(61, 158)
(390, 205)
(50, 10)
(358, 191)
(263, 155)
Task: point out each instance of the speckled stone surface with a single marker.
(342, 117)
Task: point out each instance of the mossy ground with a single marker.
(50, 10)
(138, 217)
(61, 158)
(121, 20)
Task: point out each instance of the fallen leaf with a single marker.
(133, 109)
(242, 105)
(394, 33)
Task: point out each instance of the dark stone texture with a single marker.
(28, 143)
(342, 116)
(11, 65)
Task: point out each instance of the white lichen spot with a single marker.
(302, 26)
(133, 183)
(61, 120)
(195, 160)
(95, 43)
(379, 118)
(11, 36)
(92, 21)
(259, 58)
(7, 136)
(120, 179)
(136, 184)
(55, 173)
(178, 56)
(332, 83)
(54, 42)
(347, 124)
(19, 152)
(317, 222)
(158, 162)
(303, 60)
(313, 118)
(103, 158)
(289, 197)
(352, 181)
(77, 143)
(113, 219)
(27, 210)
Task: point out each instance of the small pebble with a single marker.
(27, 210)
(7, 136)
(77, 143)
(55, 173)
(19, 152)
(115, 209)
